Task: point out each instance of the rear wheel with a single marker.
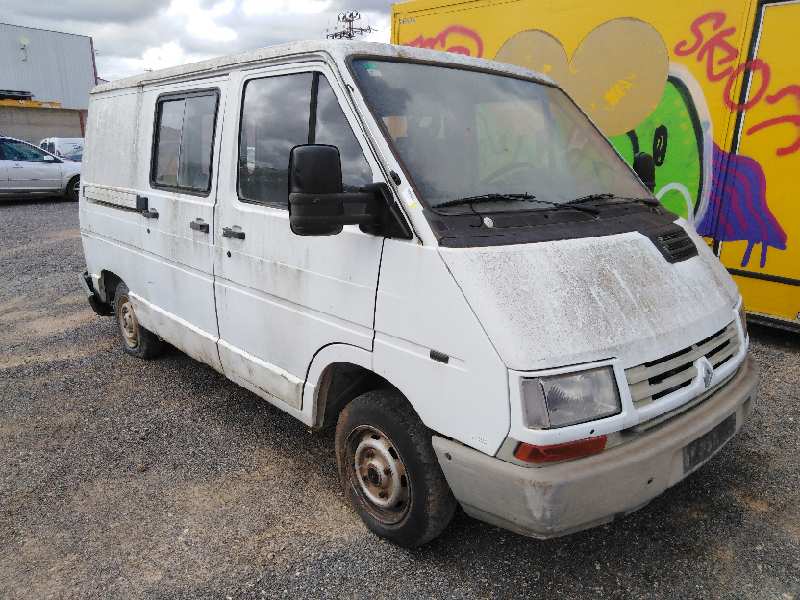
(73, 189)
(389, 469)
(136, 340)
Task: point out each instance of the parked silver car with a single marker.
(26, 170)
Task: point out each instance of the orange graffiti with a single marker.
(463, 39)
(717, 52)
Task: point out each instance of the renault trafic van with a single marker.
(439, 255)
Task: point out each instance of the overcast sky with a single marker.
(133, 35)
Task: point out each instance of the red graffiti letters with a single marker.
(720, 57)
(716, 51)
(793, 90)
(456, 38)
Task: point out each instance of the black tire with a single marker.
(73, 189)
(421, 504)
(136, 340)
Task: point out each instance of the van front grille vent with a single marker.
(675, 244)
(653, 380)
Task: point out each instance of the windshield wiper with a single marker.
(511, 197)
(488, 198)
(609, 196)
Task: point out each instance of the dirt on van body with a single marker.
(125, 478)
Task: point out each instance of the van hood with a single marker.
(552, 304)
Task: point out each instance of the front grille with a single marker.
(653, 380)
(675, 244)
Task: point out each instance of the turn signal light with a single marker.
(558, 452)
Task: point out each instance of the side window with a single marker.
(332, 128)
(184, 142)
(22, 152)
(277, 116)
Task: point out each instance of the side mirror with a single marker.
(645, 168)
(315, 190)
(319, 206)
(48, 158)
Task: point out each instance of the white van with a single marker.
(441, 256)
(61, 146)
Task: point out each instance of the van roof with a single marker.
(336, 49)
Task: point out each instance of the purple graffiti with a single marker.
(737, 209)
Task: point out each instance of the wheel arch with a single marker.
(338, 374)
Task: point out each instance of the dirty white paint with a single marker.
(338, 51)
(558, 303)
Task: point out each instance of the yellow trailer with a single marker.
(711, 90)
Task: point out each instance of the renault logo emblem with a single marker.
(708, 371)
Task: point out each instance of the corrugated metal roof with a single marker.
(53, 66)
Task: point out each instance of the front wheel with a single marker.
(73, 189)
(389, 470)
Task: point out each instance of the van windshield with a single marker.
(464, 134)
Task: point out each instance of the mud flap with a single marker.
(98, 306)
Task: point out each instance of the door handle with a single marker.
(230, 232)
(16, 166)
(150, 213)
(199, 225)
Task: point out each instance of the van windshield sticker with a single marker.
(372, 69)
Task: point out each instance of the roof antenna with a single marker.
(349, 31)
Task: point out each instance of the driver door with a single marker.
(282, 297)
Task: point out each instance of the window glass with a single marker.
(196, 142)
(20, 151)
(275, 117)
(463, 133)
(170, 125)
(185, 141)
(332, 128)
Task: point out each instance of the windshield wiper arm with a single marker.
(511, 197)
(609, 196)
(487, 198)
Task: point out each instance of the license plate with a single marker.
(703, 447)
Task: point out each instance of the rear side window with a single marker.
(281, 112)
(184, 142)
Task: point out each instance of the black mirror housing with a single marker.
(315, 187)
(645, 167)
(319, 206)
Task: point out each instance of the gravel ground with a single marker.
(124, 478)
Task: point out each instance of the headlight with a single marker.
(569, 399)
(743, 318)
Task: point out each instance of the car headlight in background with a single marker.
(569, 399)
(743, 317)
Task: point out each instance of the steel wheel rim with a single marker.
(378, 474)
(128, 323)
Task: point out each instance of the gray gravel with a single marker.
(124, 478)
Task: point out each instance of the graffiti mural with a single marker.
(739, 182)
(456, 38)
(617, 74)
(721, 57)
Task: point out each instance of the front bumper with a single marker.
(560, 499)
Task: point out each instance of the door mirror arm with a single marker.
(389, 221)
